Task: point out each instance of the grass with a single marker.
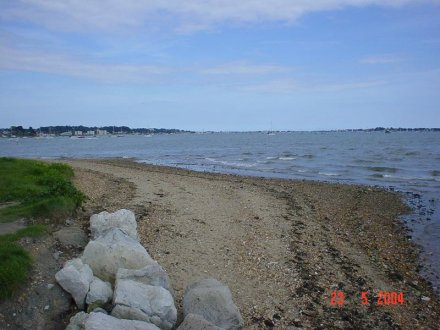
(33, 189)
(15, 262)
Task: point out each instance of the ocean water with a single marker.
(408, 162)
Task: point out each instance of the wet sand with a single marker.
(282, 246)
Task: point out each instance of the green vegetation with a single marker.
(15, 262)
(35, 189)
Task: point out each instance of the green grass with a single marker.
(15, 261)
(33, 190)
(39, 190)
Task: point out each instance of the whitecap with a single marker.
(328, 173)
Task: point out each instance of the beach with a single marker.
(284, 247)
(294, 253)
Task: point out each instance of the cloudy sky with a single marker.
(220, 64)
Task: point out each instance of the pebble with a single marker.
(50, 286)
(424, 298)
(57, 254)
(46, 307)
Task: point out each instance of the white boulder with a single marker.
(194, 321)
(212, 301)
(138, 301)
(152, 274)
(99, 294)
(101, 321)
(75, 278)
(114, 250)
(122, 219)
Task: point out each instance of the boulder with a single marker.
(194, 321)
(122, 219)
(114, 250)
(71, 236)
(139, 301)
(152, 274)
(101, 321)
(75, 278)
(212, 301)
(99, 294)
(77, 321)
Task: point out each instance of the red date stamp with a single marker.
(383, 298)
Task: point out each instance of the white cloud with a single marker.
(23, 60)
(381, 59)
(177, 15)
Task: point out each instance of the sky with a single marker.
(220, 65)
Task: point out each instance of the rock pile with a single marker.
(122, 287)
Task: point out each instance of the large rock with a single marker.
(122, 219)
(137, 301)
(101, 321)
(75, 278)
(152, 274)
(194, 321)
(114, 250)
(71, 236)
(77, 321)
(213, 301)
(99, 294)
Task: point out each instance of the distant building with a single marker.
(66, 134)
(90, 133)
(101, 132)
(78, 133)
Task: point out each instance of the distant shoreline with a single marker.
(45, 131)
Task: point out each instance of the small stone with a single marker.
(46, 307)
(424, 298)
(50, 286)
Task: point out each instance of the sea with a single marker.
(407, 162)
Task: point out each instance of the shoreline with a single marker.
(282, 246)
(301, 239)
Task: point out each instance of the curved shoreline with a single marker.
(283, 246)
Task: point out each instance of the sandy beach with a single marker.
(281, 246)
(285, 248)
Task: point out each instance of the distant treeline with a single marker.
(20, 131)
(393, 129)
(57, 130)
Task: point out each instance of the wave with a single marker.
(271, 158)
(383, 169)
(328, 173)
(228, 163)
(287, 158)
(435, 173)
(363, 161)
